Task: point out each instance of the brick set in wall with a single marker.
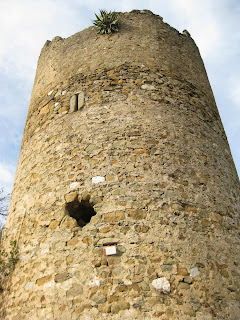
(147, 151)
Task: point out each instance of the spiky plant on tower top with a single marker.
(106, 22)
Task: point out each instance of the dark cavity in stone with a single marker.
(81, 211)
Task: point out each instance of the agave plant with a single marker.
(106, 22)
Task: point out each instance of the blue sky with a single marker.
(25, 26)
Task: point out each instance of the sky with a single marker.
(26, 25)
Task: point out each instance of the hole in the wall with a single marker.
(81, 211)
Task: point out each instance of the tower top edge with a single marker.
(148, 14)
(143, 38)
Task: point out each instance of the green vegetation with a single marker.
(106, 22)
(8, 262)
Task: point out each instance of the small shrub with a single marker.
(106, 22)
(8, 262)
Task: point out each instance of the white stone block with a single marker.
(49, 284)
(29, 285)
(46, 250)
(161, 284)
(94, 282)
(26, 257)
(74, 185)
(194, 272)
(148, 87)
(111, 250)
(98, 179)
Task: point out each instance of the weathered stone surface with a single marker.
(91, 147)
(98, 298)
(70, 197)
(183, 286)
(72, 242)
(147, 87)
(120, 305)
(73, 103)
(68, 222)
(43, 280)
(44, 110)
(75, 290)
(182, 271)
(188, 280)
(137, 214)
(190, 311)
(147, 125)
(140, 151)
(80, 100)
(61, 277)
(114, 216)
(54, 224)
(104, 308)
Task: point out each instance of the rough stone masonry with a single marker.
(126, 198)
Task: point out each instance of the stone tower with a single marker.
(126, 199)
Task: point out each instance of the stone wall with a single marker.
(125, 126)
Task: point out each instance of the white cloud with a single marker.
(235, 95)
(27, 25)
(200, 19)
(6, 175)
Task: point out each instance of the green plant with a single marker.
(106, 22)
(8, 262)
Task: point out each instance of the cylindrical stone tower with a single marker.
(126, 199)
